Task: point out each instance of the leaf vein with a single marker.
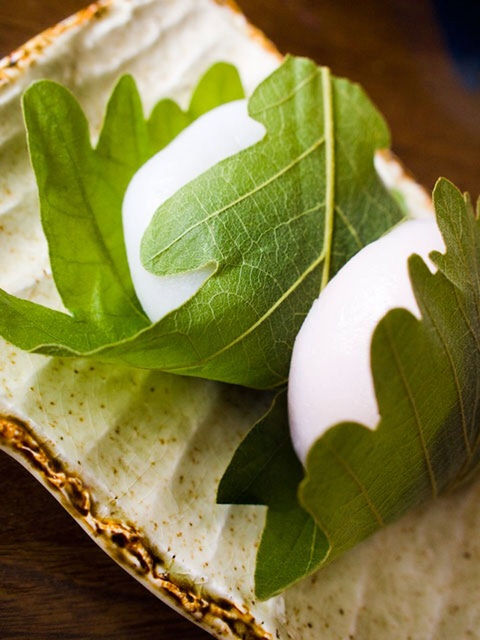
(411, 399)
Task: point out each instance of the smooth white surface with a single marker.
(215, 136)
(330, 376)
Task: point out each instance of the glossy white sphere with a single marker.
(330, 376)
(216, 135)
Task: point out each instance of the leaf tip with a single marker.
(41, 89)
(444, 187)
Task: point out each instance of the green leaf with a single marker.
(39, 328)
(265, 470)
(81, 191)
(427, 383)
(278, 220)
(219, 85)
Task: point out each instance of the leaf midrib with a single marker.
(325, 255)
(101, 240)
(418, 422)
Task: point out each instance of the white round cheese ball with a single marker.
(214, 136)
(330, 375)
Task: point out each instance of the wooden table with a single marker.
(54, 582)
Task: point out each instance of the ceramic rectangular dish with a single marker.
(139, 471)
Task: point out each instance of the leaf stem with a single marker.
(330, 173)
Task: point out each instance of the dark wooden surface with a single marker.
(54, 582)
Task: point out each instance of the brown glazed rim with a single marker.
(123, 540)
(26, 56)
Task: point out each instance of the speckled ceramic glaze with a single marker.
(136, 456)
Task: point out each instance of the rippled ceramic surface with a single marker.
(136, 456)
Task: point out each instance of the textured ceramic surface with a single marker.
(139, 470)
